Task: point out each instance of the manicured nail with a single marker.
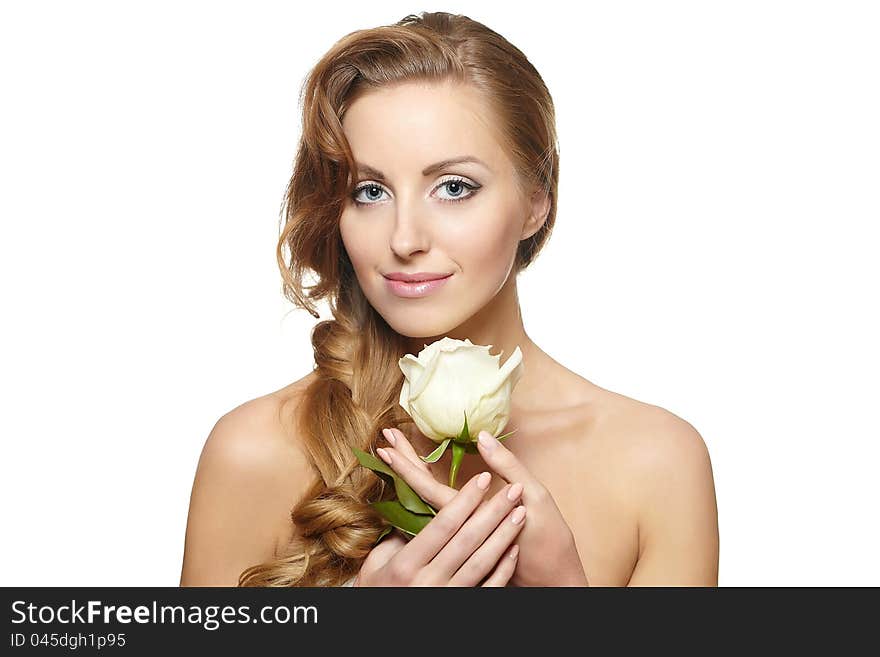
(483, 481)
(487, 440)
(514, 551)
(515, 491)
(389, 436)
(385, 455)
(518, 515)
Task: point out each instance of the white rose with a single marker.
(452, 377)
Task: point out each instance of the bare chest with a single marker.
(572, 454)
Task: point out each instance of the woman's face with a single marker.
(464, 219)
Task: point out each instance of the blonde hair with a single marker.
(357, 386)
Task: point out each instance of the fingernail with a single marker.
(385, 455)
(487, 440)
(515, 491)
(514, 551)
(389, 436)
(518, 515)
(483, 481)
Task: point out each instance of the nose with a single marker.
(410, 232)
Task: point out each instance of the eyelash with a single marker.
(473, 191)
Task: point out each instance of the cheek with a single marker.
(490, 240)
(358, 246)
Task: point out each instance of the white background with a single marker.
(714, 253)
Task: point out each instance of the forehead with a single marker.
(410, 125)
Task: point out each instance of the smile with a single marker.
(415, 288)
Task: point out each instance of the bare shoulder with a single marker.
(645, 441)
(643, 430)
(669, 491)
(250, 473)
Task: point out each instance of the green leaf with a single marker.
(464, 439)
(384, 531)
(407, 496)
(434, 456)
(400, 517)
(500, 438)
(371, 462)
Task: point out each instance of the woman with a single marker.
(429, 149)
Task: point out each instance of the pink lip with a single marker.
(412, 290)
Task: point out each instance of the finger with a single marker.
(505, 568)
(503, 461)
(400, 442)
(380, 555)
(425, 545)
(387, 548)
(475, 550)
(490, 553)
(421, 481)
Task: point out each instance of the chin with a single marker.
(421, 324)
(420, 330)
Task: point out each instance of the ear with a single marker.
(539, 209)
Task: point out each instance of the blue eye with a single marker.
(454, 186)
(371, 187)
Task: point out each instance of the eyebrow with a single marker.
(375, 173)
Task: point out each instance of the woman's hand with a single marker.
(548, 554)
(466, 543)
